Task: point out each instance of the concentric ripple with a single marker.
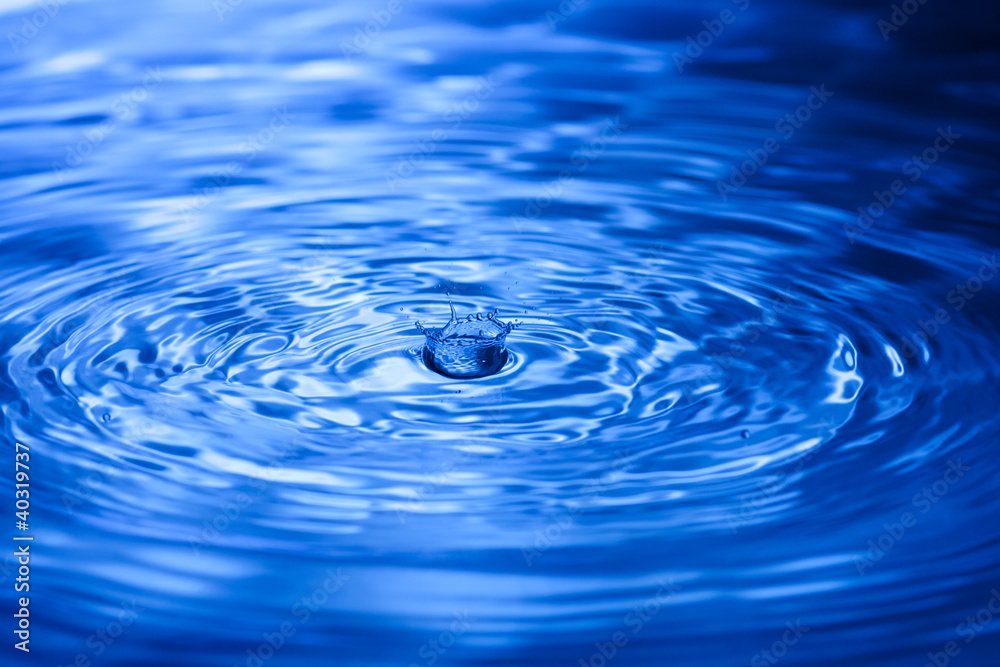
(707, 390)
(692, 380)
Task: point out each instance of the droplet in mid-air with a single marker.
(745, 434)
(472, 347)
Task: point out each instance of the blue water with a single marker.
(741, 422)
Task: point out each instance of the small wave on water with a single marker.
(748, 414)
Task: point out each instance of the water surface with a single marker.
(736, 405)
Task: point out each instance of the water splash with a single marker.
(472, 347)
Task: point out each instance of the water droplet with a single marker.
(473, 346)
(745, 434)
(105, 417)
